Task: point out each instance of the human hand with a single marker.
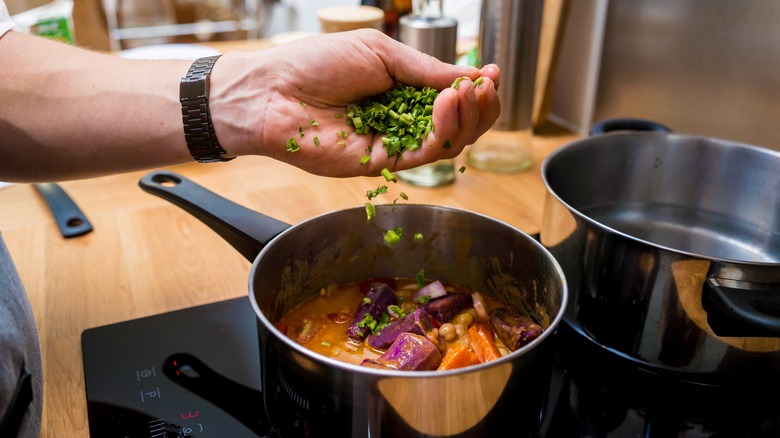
(256, 110)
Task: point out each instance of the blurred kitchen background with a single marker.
(707, 67)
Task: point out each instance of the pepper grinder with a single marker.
(429, 31)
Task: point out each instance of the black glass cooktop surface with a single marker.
(196, 373)
(189, 373)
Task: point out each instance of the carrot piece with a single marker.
(481, 337)
(456, 357)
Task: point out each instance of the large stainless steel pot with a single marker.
(307, 394)
(671, 247)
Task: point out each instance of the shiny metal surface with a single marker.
(509, 37)
(707, 67)
(639, 221)
(460, 247)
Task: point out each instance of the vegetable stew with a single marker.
(407, 324)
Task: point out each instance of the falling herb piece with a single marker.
(404, 196)
(418, 236)
(462, 169)
(388, 175)
(292, 145)
(365, 159)
(393, 236)
(371, 194)
(370, 211)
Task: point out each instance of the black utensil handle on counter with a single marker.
(70, 219)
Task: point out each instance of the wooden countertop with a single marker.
(147, 256)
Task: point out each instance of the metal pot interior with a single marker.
(700, 196)
(458, 247)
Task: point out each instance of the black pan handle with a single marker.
(737, 312)
(246, 230)
(626, 124)
(70, 219)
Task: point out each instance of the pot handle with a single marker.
(626, 124)
(246, 230)
(742, 313)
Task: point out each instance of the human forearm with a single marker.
(69, 113)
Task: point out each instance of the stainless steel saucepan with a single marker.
(671, 247)
(307, 394)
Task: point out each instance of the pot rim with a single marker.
(586, 142)
(345, 366)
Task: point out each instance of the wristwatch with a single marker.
(198, 127)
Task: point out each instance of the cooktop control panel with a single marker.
(189, 373)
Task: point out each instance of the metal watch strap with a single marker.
(198, 127)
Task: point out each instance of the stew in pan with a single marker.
(404, 324)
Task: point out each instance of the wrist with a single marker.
(199, 132)
(239, 101)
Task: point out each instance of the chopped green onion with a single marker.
(292, 145)
(404, 196)
(479, 81)
(365, 159)
(316, 141)
(325, 344)
(404, 115)
(418, 236)
(371, 194)
(314, 123)
(370, 210)
(457, 81)
(300, 131)
(393, 236)
(388, 175)
(303, 104)
(420, 278)
(462, 169)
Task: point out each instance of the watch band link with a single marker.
(198, 127)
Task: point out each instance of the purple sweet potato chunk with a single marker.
(513, 329)
(418, 322)
(445, 308)
(411, 352)
(374, 304)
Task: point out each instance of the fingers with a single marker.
(462, 115)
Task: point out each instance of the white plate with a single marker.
(169, 51)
